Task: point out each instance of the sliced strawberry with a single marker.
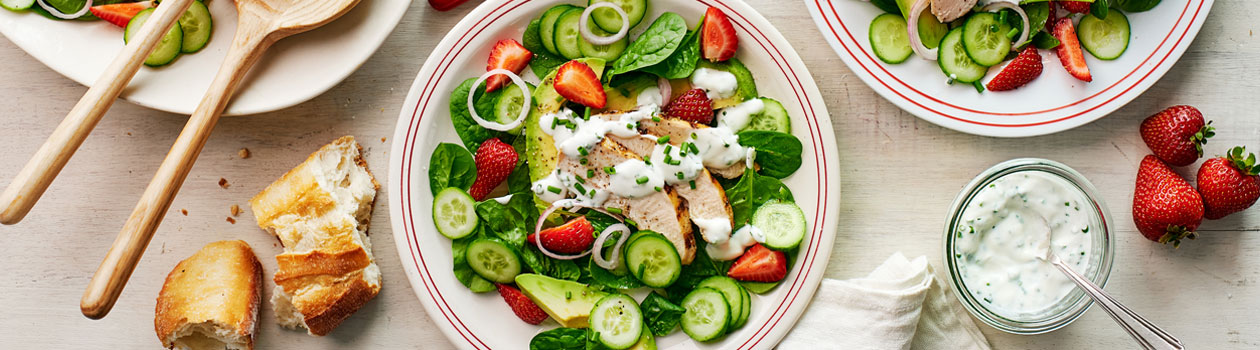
(1075, 6)
(524, 308)
(693, 106)
(1069, 50)
(574, 237)
(495, 161)
(576, 82)
(717, 36)
(759, 264)
(507, 54)
(1023, 69)
(119, 14)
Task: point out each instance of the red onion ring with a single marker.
(520, 84)
(912, 25)
(585, 29)
(615, 260)
(667, 90)
(57, 13)
(1002, 4)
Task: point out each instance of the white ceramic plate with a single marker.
(483, 321)
(296, 69)
(1052, 103)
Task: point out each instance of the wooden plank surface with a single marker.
(900, 175)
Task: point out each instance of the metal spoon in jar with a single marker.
(1144, 332)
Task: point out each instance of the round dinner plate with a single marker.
(1053, 102)
(484, 321)
(294, 70)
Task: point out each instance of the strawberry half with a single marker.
(1165, 208)
(1023, 69)
(759, 264)
(1177, 134)
(1229, 184)
(1069, 50)
(507, 54)
(693, 106)
(521, 305)
(576, 82)
(119, 14)
(574, 237)
(1075, 6)
(495, 161)
(717, 36)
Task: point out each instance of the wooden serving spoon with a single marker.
(260, 24)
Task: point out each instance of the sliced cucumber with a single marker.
(747, 307)
(547, 26)
(454, 213)
(610, 20)
(197, 26)
(608, 52)
(653, 260)
(985, 40)
(783, 223)
(707, 314)
(19, 5)
(733, 293)
(493, 260)
(1106, 39)
(772, 118)
(890, 39)
(167, 50)
(567, 35)
(931, 30)
(618, 321)
(508, 107)
(952, 57)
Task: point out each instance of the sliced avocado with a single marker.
(625, 95)
(646, 341)
(747, 89)
(541, 152)
(567, 302)
(905, 6)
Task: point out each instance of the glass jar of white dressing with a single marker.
(995, 233)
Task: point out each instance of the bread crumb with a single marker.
(236, 210)
(128, 133)
(184, 211)
(230, 220)
(223, 183)
(382, 139)
(243, 153)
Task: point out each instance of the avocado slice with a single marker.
(747, 89)
(540, 149)
(567, 302)
(625, 95)
(646, 341)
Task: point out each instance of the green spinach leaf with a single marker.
(682, 62)
(610, 279)
(701, 267)
(511, 222)
(465, 273)
(451, 166)
(543, 265)
(559, 339)
(778, 153)
(656, 44)
(1038, 14)
(751, 192)
(469, 132)
(518, 180)
(1136, 5)
(544, 61)
(660, 315)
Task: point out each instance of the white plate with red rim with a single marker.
(484, 321)
(293, 71)
(1052, 103)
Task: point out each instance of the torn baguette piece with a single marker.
(320, 211)
(210, 300)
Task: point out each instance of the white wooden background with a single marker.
(900, 175)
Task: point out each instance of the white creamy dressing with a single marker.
(504, 200)
(549, 188)
(1000, 237)
(715, 83)
(714, 230)
(676, 164)
(734, 247)
(737, 117)
(651, 96)
(719, 147)
(573, 135)
(634, 178)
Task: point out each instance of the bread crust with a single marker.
(221, 285)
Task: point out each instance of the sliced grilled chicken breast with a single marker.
(949, 10)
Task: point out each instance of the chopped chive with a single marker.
(579, 188)
(629, 126)
(582, 161)
(580, 179)
(553, 123)
(582, 150)
(656, 119)
(641, 180)
(693, 136)
(662, 140)
(610, 170)
(553, 189)
(590, 172)
(658, 188)
(613, 210)
(693, 184)
(632, 223)
(568, 294)
(668, 148)
(693, 148)
(680, 175)
(673, 162)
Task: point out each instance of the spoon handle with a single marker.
(1146, 333)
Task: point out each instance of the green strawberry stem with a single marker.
(1247, 165)
(1200, 137)
(1175, 234)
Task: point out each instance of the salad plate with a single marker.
(293, 71)
(475, 317)
(1053, 102)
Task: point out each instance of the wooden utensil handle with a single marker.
(34, 178)
(115, 270)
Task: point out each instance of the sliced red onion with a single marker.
(590, 37)
(615, 259)
(667, 91)
(998, 5)
(57, 13)
(520, 84)
(912, 26)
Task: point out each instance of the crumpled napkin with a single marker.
(900, 305)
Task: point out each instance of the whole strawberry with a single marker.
(693, 106)
(1075, 6)
(574, 237)
(521, 305)
(1229, 184)
(1023, 69)
(1177, 134)
(1165, 208)
(495, 161)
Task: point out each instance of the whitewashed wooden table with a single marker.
(899, 176)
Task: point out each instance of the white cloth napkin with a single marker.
(900, 305)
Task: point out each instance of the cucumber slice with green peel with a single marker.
(1106, 39)
(547, 26)
(167, 49)
(508, 107)
(707, 314)
(772, 118)
(782, 223)
(985, 40)
(732, 292)
(653, 260)
(454, 213)
(493, 260)
(197, 26)
(567, 35)
(17, 5)
(953, 59)
(618, 321)
(931, 30)
(890, 39)
(747, 307)
(610, 20)
(608, 52)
